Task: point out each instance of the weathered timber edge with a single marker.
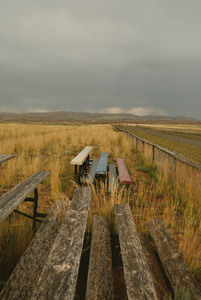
(100, 278)
(59, 276)
(139, 283)
(13, 198)
(5, 157)
(23, 280)
(176, 268)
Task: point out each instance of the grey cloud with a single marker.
(90, 55)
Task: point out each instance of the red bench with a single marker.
(123, 172)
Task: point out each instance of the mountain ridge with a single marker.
(69, 116)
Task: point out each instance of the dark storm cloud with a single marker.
(138, 56)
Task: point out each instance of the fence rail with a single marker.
(156, 153)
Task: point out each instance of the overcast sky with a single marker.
(142, 57)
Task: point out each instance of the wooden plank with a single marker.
(100, 278)
(176, 268)
(102, 164)
(139, 283)
(89, 177)
(23, 280)
(112, 186)
(123, 172)
(81, 157)
(10, 200)
(5, 157)
(59, 276)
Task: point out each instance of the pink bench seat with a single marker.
(123, 172)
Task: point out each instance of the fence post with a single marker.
(153, 153)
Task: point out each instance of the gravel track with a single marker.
(175, 138)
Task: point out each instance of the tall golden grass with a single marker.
(176, 198)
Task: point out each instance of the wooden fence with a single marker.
(158, 155)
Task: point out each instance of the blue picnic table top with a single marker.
(102, 164)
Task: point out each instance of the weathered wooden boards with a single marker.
(102, 164)
(23, 280)
(89, 177)
(10, 200)
(176, 268)
(123, 172)
(100, 278)
(112, 183)
(59, 276)
(138, 279)
(5, 157)
(81, 157)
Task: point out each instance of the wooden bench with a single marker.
(81, 160)
(139, 283)
(14, 197)
(112, 179)
(175, 267)
(100, 277)
(5, 157)
(89, 177)
(22, 281)
(123, 172)
(102, 164)
(50, 265)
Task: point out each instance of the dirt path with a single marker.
(175, 138)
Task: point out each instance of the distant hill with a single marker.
(64, 116)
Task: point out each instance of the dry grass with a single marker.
(176, 199)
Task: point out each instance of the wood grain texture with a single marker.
(112, 184)
(24, 278)
(176, 268)
(10, 200)
(123, 172)
(89, 177)
(81, 157)
(102, 164)
(59, 276)
(139, 283)
(5, 157)
(100, 278)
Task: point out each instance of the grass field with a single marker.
(152, 193)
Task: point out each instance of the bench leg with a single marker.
(35, 208)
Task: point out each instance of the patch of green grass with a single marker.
(149, 169)
(190, 152)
